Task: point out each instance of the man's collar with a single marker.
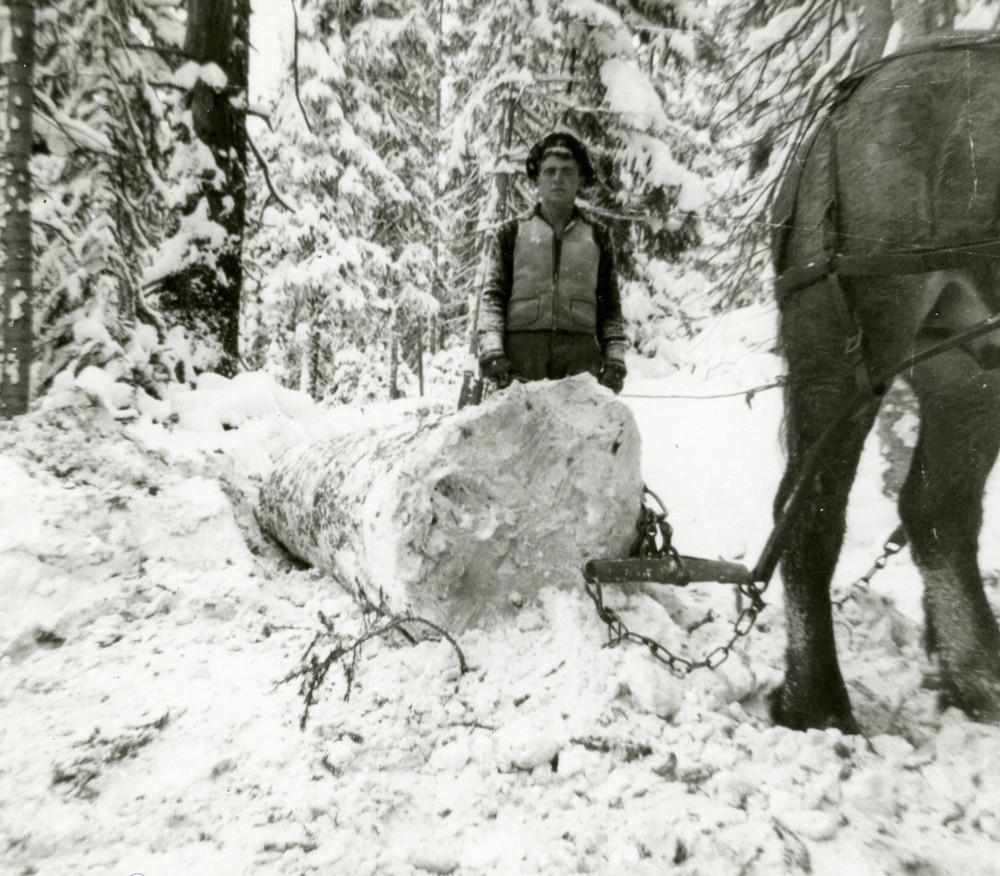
(574, 214)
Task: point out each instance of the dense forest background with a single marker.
(159, 225)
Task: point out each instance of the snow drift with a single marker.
(143, 730)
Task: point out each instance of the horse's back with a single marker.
(908, 157)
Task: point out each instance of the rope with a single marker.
(749, 393)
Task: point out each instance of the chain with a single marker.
(654, 535)
(654, 540)
(893, 545)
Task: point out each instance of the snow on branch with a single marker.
(188, 75)
(64, 134)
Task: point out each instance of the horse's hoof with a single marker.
(817, 715)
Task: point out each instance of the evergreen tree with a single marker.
(99, 200)
(403, 150)
(349, 275)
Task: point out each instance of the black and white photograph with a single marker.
(500, 437)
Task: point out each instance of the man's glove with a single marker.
(497, 367)
(613, 375)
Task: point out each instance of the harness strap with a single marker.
(922, 261)
(831, 216)
(854, 349)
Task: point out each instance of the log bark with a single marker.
(464, 519)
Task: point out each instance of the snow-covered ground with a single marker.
(145, 626)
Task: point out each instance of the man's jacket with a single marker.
(538, 282)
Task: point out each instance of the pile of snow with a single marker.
(146, 629)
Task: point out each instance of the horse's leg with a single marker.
(820, 383)
(941, 508)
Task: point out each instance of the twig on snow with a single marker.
(314, 669)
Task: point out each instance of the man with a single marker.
(551, 306)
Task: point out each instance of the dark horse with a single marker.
(887, 234)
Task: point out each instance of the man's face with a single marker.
(558, 181)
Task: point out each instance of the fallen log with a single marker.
(462, 519)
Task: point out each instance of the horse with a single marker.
(885, 242)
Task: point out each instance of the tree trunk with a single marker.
(315, 350)
(464, 519)
(18, 332)
(218, 32)
(420, 355)
(304, 340)
(505, 140)
(393, 324)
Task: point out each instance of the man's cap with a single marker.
(565, 146)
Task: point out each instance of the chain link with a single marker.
(893, 545)
(654, 539)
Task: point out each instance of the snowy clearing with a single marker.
(145, 625)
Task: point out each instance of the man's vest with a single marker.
(553, 286)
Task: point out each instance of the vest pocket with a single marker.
(583, 313)
(521, 314)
